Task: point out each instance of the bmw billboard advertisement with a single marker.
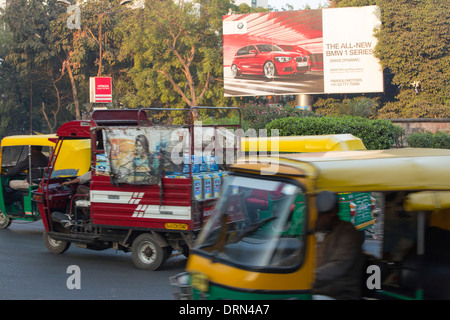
(301, 52)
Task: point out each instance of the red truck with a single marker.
(143, 202)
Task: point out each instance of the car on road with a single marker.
(268, 60)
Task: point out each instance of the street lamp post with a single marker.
(100, 16)
(99, 39)
(100, 36)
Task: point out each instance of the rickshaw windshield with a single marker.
(11, 155)
(257, 224)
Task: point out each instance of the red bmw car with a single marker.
(268, 60)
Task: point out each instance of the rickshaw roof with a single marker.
(29, 140)
(427, 201)
(381, 170)
(372, 170)
(317, 143)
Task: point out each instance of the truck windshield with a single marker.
(257, 224)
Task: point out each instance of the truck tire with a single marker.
(146, 252)
(55, 246)
(5, 221)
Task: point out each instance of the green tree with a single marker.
(26, 49)
(177, 52)
(79, 49)
(14, 117)
(414, 44)
(413, 48)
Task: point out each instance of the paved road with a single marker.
(29, 271)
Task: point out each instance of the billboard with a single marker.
(100, 89)
(301, 52)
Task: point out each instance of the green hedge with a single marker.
(375, 134)
(440, 140)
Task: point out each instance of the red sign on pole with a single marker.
(100, 89)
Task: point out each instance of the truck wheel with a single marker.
(55, 246)
(5, 221)
(147, 253)
(185, 250)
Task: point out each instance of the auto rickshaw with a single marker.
(357, 207)
(248, 252)
(300, 144)
(19, 204)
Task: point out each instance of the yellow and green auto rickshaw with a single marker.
(357, 207)
(300, 144)
(245, 250)
(18, 204)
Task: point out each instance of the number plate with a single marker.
(176, 226)
(199, 282)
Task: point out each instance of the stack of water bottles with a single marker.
(207, 179)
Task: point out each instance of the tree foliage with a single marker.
(169, 53)
(177, 52)
(28, 61)
(413, 47)
(414, 44)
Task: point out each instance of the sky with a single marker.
(298, 4)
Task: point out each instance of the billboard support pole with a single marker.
(303, 101)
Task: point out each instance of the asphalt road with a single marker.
(28, 271)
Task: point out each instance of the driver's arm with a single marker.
(18, 168)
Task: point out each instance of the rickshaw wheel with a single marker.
(55, 246)
(147, 253)
(5, 221)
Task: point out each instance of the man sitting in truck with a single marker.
(82, 181)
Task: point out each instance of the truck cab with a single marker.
(139, 199)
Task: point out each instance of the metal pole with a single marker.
(303, 101)
(420, 253)
(29, 165)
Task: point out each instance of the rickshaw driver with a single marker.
(38, 160)
(83, 179)
(339, 257)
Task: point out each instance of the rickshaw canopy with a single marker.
(75, 154)
(30, 140)
(427, 201)
(408, 169)
(296, 144)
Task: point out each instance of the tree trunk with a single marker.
(74, 91)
